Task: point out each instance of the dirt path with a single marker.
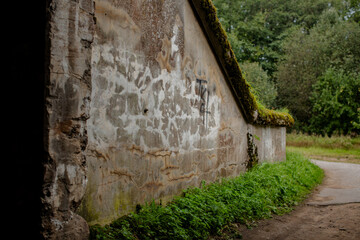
(331, 212)
(309, 222)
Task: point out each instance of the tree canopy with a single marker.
(299, 45)
(257, 28)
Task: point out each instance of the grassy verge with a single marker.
(266, 189)
(337, 148)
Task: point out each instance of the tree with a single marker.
(336, 103)
(294, 42)
(332, 43)
(353, 11)
(258, 27)
(261, 86)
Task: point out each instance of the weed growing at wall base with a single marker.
(269, 188)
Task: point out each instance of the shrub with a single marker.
(336, 103)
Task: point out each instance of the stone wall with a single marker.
(138, 108)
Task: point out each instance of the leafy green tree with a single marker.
(258, 27)
(353, 10)
(336, 103)
(262, 87)
(356, 124)
(332, 43)
(295, 43)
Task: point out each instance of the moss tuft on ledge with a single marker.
(217, 37)
(274, 118)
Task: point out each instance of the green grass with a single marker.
(336, 148)
(341, 142)
(270, 188)
(326, 154)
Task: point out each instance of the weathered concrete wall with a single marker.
(272, 143)
(68, 92)
(162, 117)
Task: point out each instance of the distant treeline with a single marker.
(300, 55)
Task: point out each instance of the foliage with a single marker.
(266, 189)
(332, 43)
(258, 27)
(294, 42)
(354, 10)
(336, 103)
(264, 89)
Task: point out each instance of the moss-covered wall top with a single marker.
(253, 113)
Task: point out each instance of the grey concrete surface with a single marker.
(162, 116)
(341, 184)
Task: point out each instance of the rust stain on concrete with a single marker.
(187, 176)
(163, 57)
(114, 16)
(157, 153)
(121, 172)
(152, 185)
(100, 155)
(169, 167)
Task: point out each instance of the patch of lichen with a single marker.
(87, 209)
(251, 109)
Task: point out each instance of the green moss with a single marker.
(271, 117)
(252, 152)
(122, 201)
(87, 209)
(252, 111)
